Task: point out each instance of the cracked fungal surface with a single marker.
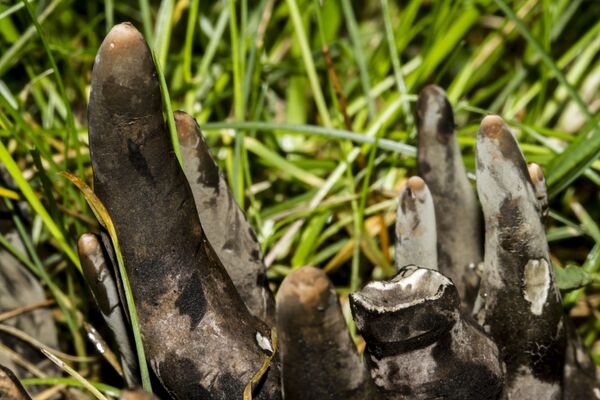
(223, 221)
(416, 236)
(439, 163)
(193, 321)
(314, 337)
(418, 345)
(518, 304)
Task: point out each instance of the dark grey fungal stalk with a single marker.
(418, 345)
(416, 236)
(10, 387)
(458, 218)
(318, 357)
(224, 223)
(103, 287)
(518, 304)
(199, 338)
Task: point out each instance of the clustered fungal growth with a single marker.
(472, 313)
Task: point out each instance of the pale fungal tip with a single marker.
(536, 173)
(415, 184)
(121, 34)
(433, 90)
(87, 243)
(306, 285)
(186, 129)
(492, 125)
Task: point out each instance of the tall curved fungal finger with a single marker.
(418, 344)
(416, 237)
(199, 337)
(518, 303)
(318, 357)
(104, 292)
(223, 221)
(458, 217)
(10, 387)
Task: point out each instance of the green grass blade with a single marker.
(544, 56)
(575, 159)
(358, 54)
(71, 133)
(309, 63)
(147, 21)
(277, 161)
(10, 56)
(72, 382)
(331, 133)
(239, 106)
(189, 40)
(65, 367)
(162, 30)
(591, 265)
(396, 65)
(109, 12)
(164, 90)
(36, 204)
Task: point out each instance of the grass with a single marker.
(315, 165)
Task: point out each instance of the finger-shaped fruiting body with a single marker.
(10, 387)
(518, 304)
(318, 357)
(541, 191)
(418, 345)
(200, 339)
(416, 237)
(580, 379)
(224, 223)
(458, 218)
(103, 287)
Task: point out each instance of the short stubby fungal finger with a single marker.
(518, 305)
(418, 345)
(458, 217)
(103, 287)
(224, 223)
(416, 237)
(198, 335)
(539, 186)
(10, 387)
(318, 357)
